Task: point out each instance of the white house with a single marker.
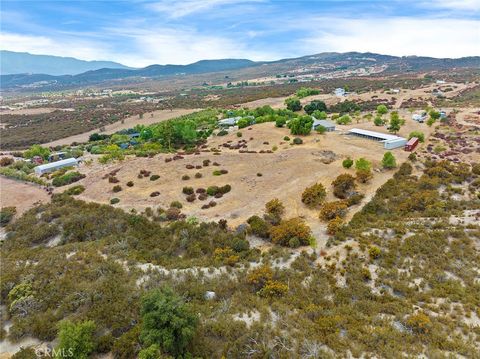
(340, 92)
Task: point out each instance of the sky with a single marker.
(138, 33)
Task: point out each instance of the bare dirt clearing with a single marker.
(21, 195)
(284, 174)
(129, 122)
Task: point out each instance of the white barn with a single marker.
(53, 166)
(389, 141)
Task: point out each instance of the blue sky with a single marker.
(138, 33)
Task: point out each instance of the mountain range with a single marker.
(323, 62)
(22, 62)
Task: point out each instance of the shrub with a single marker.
(113, 179)
(191, 197)
(200, 190)
(260, 276)
(320, 129)
(176, 204)
(419, 323)
(354, 199)
(225, 189)
(363, 176)
(347, 163)
(173, 214)
(75, 190)
(362, 164)
(154, 177)
(167, 321)
(187, 190)
(155, 194)
(243, 122)
(374, 252)
(280, 122)
(273, 289)
(114, 200)
(288, 229)
(239, 134)
(116, 188)
(6, 161)
(212, 190)
(286, 138)
(388, 160)
(67, 178)
(185, 177)
(378, 121)
(25, 353)
(331, 210)
(343, 186)
(275, 207)
(417, 134)
(206, 163)
(314, 195)
(217, 173)
(258, 227)
(6, 215)
(259, 174)
(76, 339)
(222, 133)
(129, 184)
(128, 345)
(334, 225)
(297, 141)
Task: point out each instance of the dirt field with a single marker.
(129, 122)
(21, 195)
(285, 174)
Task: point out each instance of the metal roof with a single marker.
(379, 135)
(65, 162)
(324, 123)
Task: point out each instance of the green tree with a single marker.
(388, 160)
(167, 321)
(243, 122)
(37, 150)
(435, 115)
(347, 163)
(378, 121)
(417, 134)
(300, 125)
(344, 120)
(152, 352)
(319, 115)
(382, 109)
(76, 339)
(315, 105)
(293, 104)
(363, 164)
(395, 123)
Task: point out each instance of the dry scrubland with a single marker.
(284, 173)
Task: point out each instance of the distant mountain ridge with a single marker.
(23, 62)
(328, 60)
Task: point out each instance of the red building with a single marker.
(411, 144)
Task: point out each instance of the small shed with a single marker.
(231, 121)
(411, 144)
(53, 166)
(329, 126)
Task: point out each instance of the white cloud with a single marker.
(184, 46)
(396, 36)
(181, 8)
(65, 46)
(458, 5)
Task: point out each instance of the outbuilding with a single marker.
(411, 144)
(389, 141)
(53, 166)
(329, 126)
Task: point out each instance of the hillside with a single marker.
(23, 62)
(303, 68)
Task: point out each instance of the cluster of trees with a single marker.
(306, 91)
